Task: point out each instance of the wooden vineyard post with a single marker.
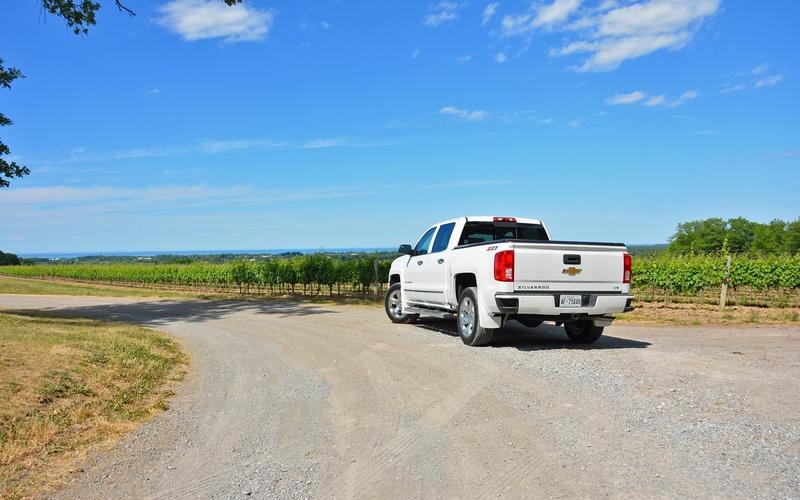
(375, 281)
(723, 294)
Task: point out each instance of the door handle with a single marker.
(440, 261)
(419, 262)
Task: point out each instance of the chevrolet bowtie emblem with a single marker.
(572, 271)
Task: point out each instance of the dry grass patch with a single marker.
(703, 314)
(70, 385)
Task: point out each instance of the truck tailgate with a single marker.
(567, 266)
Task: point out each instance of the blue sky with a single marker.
(357, 124)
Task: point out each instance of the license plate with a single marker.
(570, 301)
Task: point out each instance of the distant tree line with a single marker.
(737, 236)
(9, 259)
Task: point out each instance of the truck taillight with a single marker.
(626, 268)
(504, 265)
(504, 219)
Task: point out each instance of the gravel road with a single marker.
(292, 401)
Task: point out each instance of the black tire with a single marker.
(583, 331)
(393, 306)
(468, 320)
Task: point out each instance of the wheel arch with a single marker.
(462, 281)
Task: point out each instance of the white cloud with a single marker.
(686, 96)
(465, 114)
(732, 88)
(607, 5)
(463, 59)
(639, 97)
(769, 81)
(153, 91)
(500, 57)
(575, 123)
(415, 54)
(656, 100)
(206, 147)
(489, 12)
(545, 121)
(325, 25)
(203, 19)
(539, 16)
(556, 12)
(476, 183)
(105, 199)
(755, 77)
(782, 154)
(614, 32)
(516, 24)
(333, 142)
(443, 12)
(630, 98)
(213, 147)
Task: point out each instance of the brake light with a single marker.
(504, 265)
(626, 268)
(504, 219)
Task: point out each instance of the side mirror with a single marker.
(405, 250)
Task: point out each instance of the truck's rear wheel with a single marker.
(394, 306)
(469, 327)
(583, 331)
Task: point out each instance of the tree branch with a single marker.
(125, 9)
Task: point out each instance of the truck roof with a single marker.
(490, 218)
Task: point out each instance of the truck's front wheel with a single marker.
(583, 331)
(394, 306)
(469, 327)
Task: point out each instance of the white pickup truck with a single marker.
(490, 270)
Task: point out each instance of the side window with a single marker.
(443, 237)
(424, 242)
(477, 232)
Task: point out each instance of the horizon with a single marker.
(281, 124)
(242, 251)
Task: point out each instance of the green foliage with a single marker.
(8, 170)
(312, 271)
(9, 259)
(737, 236)
(688, 275)
(685, 275)
(78, 16)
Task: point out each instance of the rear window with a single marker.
(482, 232)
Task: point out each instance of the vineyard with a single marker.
(760, 281)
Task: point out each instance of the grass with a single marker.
(71, 385)
(704, 314)
(48, 287)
